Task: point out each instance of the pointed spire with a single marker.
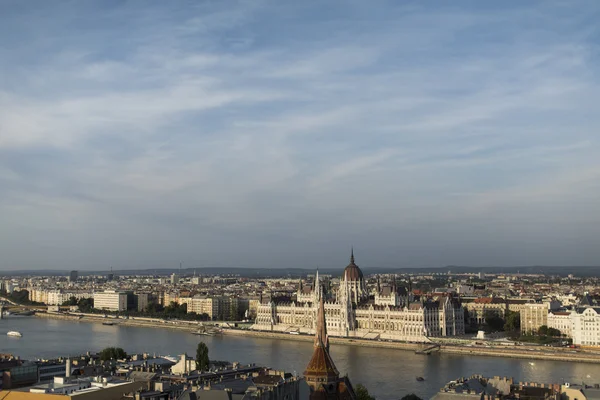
(321, 338)
(378, 284)
(352, 255)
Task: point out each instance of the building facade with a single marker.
(562, 321)
(110, 301)
(586, 326)
(534, 315)
(350, 313)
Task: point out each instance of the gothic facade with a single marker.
(391, 314)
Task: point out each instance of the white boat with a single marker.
(15, 334)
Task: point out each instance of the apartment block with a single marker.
(110, 300)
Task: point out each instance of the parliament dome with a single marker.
(352, 272)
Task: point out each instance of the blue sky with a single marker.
(279, 133)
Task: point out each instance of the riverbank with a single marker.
(520, 352)
(121, 321)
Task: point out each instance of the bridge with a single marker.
(9, 305)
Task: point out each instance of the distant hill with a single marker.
(298, 272)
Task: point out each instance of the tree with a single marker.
(112, 353)
(554, 332)
(493, 321)
(411, 396)
(542, 330)
(202, 357)
(362, 393)
(85, 305)
(513, 321)
(71, 302)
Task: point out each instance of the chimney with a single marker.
(68, 368)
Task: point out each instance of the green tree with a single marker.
(71, 302)
(513, 321)
(494, 322)
(411, 396)
(362, 393)
(554, 332)
(85, 305)
(542, 330)
(112, 353)
(202, 357)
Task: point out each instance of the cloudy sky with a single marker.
(280, 133)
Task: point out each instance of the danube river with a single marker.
(388, 374)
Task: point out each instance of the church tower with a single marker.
(321, 373)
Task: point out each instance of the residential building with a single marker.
(204, 305)
(534, 315)
(142, 300)
(110, 300)
(562, 321)
(586, 326)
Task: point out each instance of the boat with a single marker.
(14, 334)
(204, 333)
(109, 323)
(420, 379)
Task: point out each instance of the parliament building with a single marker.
(391, 313)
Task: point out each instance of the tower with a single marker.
(354, 276)
(321, 373)
(346, 311)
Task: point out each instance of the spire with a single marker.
(378, 284)
(321, 370)
(321, 338)
(352, 255)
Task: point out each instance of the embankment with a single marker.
(521, 352)
(121, 321)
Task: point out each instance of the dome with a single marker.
(352, 272)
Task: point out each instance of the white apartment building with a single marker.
(39, 295)
(57, 297)
(110, 300)
(562, 321)
(586, 326)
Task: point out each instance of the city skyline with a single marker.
(276, 134)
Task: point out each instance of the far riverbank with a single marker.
(518, 352)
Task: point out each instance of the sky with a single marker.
(142, 134)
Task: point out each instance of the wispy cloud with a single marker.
(254, 132)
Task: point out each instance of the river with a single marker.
(388, 374)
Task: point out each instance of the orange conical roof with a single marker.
(321, 364)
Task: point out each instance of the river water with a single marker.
(388, 374)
